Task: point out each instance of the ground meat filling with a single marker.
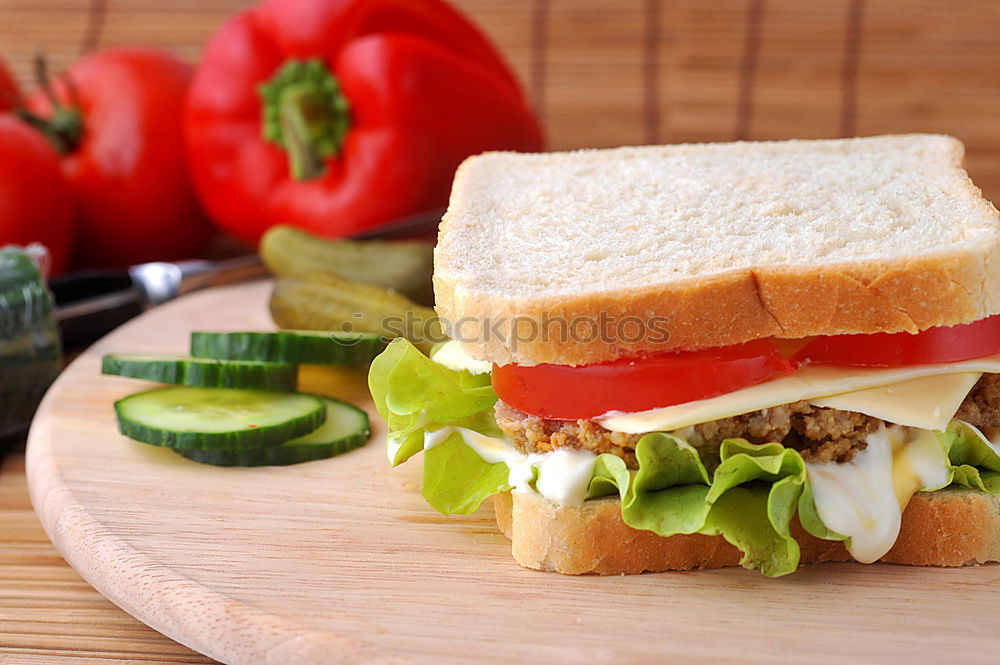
(531, 434)
(982, 407)
(820, 434)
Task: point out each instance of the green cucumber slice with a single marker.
(289, 346)
(218, 418)
(346, 428)
(206, 372)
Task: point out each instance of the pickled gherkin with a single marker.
(323, 301)
(401, 265)
(30, 356)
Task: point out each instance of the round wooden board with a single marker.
(342, 561)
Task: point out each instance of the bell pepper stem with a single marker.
(305, 113)
(299, 108)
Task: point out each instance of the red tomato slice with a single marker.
(564, 392)
(946, 344)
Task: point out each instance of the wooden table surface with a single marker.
(48, 614)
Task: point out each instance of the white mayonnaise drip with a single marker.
(563, 474)
(864, 498)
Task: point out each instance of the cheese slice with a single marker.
(807, 383)
(864, 499)
(451, 355)
(929, 402)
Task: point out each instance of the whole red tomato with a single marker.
(10, 95)
(118, 125)
(36, 204)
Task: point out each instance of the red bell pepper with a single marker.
(338, 115)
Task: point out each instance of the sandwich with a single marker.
(695, 356)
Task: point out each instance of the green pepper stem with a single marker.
(306, 114)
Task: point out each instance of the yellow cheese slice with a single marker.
(451, 355)
(929, 402)
(807, 383)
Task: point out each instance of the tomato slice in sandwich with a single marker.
(946, 344)
(564, 392)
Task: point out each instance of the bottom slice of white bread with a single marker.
(953, 527)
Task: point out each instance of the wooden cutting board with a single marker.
(342, 561)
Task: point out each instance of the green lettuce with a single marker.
(750, 498)
(809, 517)
(754, 495)
(975, 462)
(610, 474)
(416, 395)
(457, 480)
(669, 493)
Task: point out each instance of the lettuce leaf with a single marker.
(749, 500)
(416, 395)
(975, 461)
(809, 517)
(457, 480)
(611, 476)
(754, 495)
(669, 492)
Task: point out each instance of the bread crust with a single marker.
(953, 527)
(942, 289)
(953, 286)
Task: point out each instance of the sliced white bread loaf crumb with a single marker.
(724, 242)
(953, 527)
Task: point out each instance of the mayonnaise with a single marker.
(563, 474)
(864, 498)
(392, 446)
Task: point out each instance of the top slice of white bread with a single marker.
(722, 243)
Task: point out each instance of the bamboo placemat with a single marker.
(614, 72)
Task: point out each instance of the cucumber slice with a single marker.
(218, 418)
(346, 428)
(289, 346)
(185, 371)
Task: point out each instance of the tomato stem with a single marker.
(305, 112)
(64, 127)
